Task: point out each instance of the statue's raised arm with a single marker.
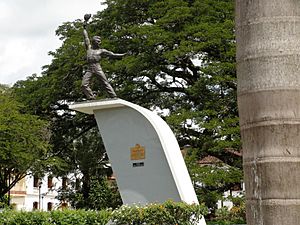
(85, 33)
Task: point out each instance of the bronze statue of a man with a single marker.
(94, 54)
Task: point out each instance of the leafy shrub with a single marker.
(152, 214)
(167, 213)
(102, 194)
(236, 215)
(65, 217)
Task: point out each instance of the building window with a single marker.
(50, 183)
(49, 206)
(36, 181)
(35, 205)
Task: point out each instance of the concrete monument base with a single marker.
(143, 152)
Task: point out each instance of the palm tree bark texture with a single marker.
(268, 70)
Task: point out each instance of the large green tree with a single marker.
(24, 144)
(181, 59)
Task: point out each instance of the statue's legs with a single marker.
(86, 80)
(105, 84)
(86, 85)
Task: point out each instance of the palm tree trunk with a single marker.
(268, 68)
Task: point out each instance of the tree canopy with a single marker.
(24, 144)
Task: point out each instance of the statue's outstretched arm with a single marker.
(111, 54)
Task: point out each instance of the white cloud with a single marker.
(28, 33)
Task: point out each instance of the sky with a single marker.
(27, 33)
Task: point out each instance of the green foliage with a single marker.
(24, 143)
(79, 217)
(167, 213)
(65, 217)
(4, 202)
(211, 181)
(102, 194)
(236, 215)
(89, 160)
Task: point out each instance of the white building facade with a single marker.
(32, 193)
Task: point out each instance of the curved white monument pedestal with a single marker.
(143, 152)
